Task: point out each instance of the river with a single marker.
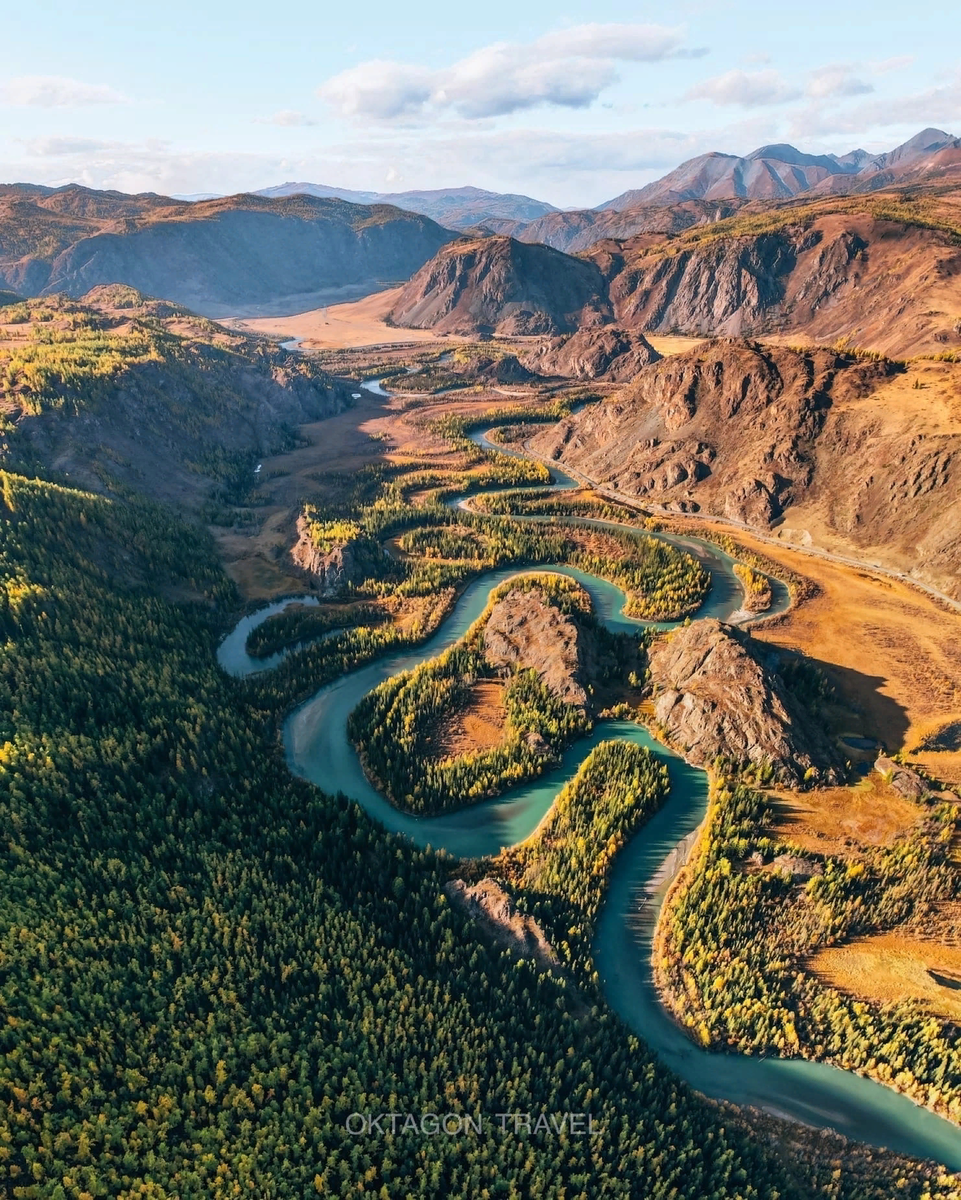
(318, 749)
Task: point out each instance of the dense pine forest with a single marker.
(208, 965)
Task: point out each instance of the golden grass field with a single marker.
(341, 326)
(891, 967)
(842, 820)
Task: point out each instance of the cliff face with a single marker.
(499, 285)
(814, 445)
(218, 257)
(336, 571)
(608, 353)
(714, 696)
(881, 284)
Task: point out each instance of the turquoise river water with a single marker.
(318, 749)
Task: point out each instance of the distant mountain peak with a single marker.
(780, 171)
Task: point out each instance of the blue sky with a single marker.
(570, 104)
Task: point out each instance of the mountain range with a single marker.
(219, 257)
(781, 171)
(456, 208)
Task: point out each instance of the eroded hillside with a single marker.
(817, 446)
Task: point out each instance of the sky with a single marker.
(571, 103)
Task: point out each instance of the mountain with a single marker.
(454, 208)
(800, 440)
(581, 229)
(499, 285)
(118, 393)
(882, 270)
(218, 257)
(781, 171)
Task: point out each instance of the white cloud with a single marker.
(836, 79)
(747, 89)
(892, 64)
(567, 68)
(65, 147)
(55, 91)
(286, 118)
(379, 90)
(939, 106)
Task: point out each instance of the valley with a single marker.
(530, 680)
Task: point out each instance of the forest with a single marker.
(561, 871)
(393, 726)
(734, 944)
(208, 964)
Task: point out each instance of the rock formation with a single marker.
(524, 631)
(494, 911)
(713, 694)
(498, 285)
(335, 571)
(606, 353)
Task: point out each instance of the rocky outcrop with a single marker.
(524, 631)
(494, 911)
(883, 284)
(218, 257)
(499, 285)
(332, 572)
(908, 784)
(608, 353)
(714, 695)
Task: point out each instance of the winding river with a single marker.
(318, 749)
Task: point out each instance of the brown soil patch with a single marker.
(670, 344)
(843, 819)
(892, 967)
(478, 725)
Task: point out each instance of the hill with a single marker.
(883, 270)
(220, 257)
(782, 171)
(454, 208)
(499, 285)
(118, 393)
(856, 454)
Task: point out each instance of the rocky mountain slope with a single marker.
(883, 271)
(607, 353)
(499, 285)
(714, 694)
(813, 445)
(526, 632)
(117, 393)
(218, 257)
(454, 208)
(782, 171)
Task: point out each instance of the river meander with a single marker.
(319, 750)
